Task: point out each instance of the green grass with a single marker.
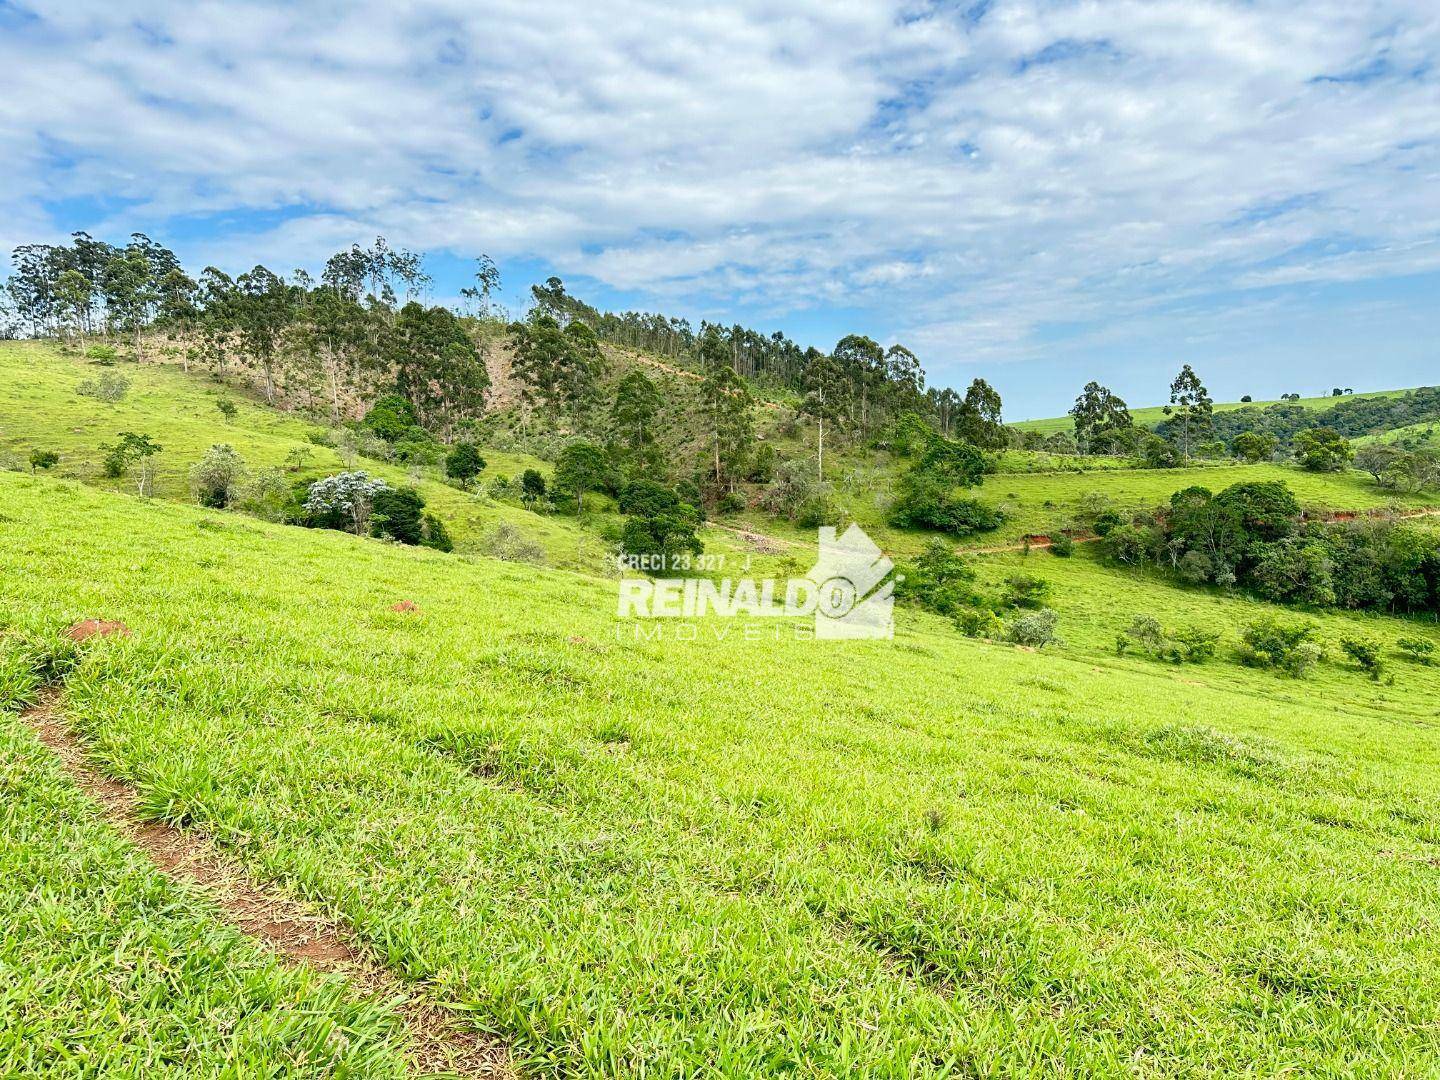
(108, 969)
(1149, 416)
(752, 857)
(1037, 503)
(41, 410)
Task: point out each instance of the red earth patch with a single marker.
(405, 605)
(88, 628)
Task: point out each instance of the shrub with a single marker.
(269, 496)
(1062, 545)
(732, 502)
(532, 486)
(1194, 644)
(1323, 449)
(939, 580)
(1366, 655)
(102, 354)
(435, 535)
(398, 513)
(979, 622)
(43, 459)
(507, 542)
(1270, 642)
(216, 478)
(1420, 650)
(109, 387)
(1035, 629)
(228, 409)
(1025, 591)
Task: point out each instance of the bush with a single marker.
(507, 542)
(1322, 449)
(269, 496)
(979, 623)
(228, 409)
(1062, 545)
(939, 580)
(102, 354)
(1025, 591)
(109, 387)
(1420, 650)
(43, 459)
(1269, 642)
(398, 514)
(436, 535)
(1366, 654)
(732, 502)
(216, 478)
(1035, 629)
(343, 501)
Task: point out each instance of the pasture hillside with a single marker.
(734, 855)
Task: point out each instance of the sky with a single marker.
(1037, 193)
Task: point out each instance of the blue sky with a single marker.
(1035, 192)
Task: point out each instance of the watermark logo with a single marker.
(850, 592)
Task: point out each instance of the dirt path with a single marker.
(288, 928)
(764, 545)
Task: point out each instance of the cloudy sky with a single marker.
(1039, 193)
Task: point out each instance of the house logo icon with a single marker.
(854, 590)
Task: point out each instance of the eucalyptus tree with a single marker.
(725, 404)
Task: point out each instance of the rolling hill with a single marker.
(745, 854)
(1150, 415)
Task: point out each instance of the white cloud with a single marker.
(980, 178)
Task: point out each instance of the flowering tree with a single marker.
(349, 494)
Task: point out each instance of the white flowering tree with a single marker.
(351, 494)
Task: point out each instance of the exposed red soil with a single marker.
(88, 628)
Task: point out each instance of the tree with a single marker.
(43, 459)
(437, 366)
(260, 309)
(487, 284)
(824, 398)
(725, 401)
(1098, 415)
(398, 514)
(637, 403)
(1378, 459)
(1323, 449)
(559, 368)
(581, 467)
(660, 528)
(216, 478)
(532, 487)
(977, 420)
(862, 361)
(347, 496)
(133, 449)
(1191, 404)
(73, 296)
(1253, 446)
(228, 409)
(464, 463)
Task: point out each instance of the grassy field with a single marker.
(111, 970)
(926, 857)
(1038, 503)
(1151, 415)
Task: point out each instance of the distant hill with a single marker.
(1151, 415)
